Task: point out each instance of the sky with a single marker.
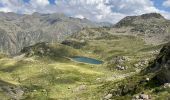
(96, 10)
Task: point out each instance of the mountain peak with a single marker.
(151, 15)
(133, 20)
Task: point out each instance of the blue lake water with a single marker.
(86, 60)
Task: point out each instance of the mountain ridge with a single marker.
(153, 28)
(18, 31)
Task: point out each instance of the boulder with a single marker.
(80, 88)
(141, 96)
(141, 63)
(144, 96)
(136, 65)
(119, 67)
(166, 85)
(147, 79)
(107, 97)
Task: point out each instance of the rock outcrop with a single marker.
(161, 66)
(48, 50)
(11, 91)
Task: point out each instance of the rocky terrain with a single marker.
(161, 65)
(134, 66)
(18, 31)
(153, 28)
(151, 83)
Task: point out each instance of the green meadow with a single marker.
(51, 76)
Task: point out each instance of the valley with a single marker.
(52, 73)
(43, 71)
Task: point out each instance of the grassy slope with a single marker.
(57, 79)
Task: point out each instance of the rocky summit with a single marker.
(133, 20)
(152, 26)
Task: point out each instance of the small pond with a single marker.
(86, 60)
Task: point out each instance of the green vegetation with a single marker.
(2, 55)
(44, 73)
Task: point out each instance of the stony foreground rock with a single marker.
(162, 65)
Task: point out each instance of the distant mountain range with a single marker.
(153, 28)
(18, 31)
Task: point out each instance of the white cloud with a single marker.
(106, 10)
(92, 9)
(96, 10)
(5, 9)
(10, 5)
(39, 3)
(79, 16)
(18, 6)
(166, 3)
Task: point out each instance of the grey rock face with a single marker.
(162, 65)
(11, 91)
(153, 27)
(18, 31)
(14, 93)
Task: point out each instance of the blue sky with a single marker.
(96, 10)
(159, 4)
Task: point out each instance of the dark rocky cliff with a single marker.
(161, 65)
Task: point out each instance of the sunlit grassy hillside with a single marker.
(43, 71)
